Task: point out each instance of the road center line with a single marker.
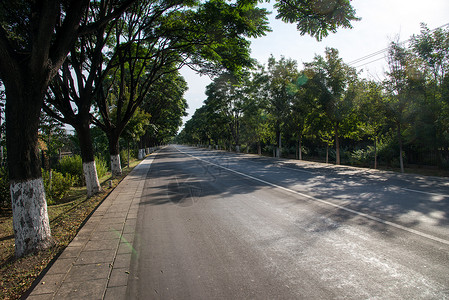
(410, 230)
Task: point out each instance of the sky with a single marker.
(382, 21)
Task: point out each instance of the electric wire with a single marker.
(382, 51)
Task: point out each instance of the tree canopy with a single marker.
(394, 122)
(36, 38)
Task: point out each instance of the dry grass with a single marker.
(17, 275)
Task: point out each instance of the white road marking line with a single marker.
(410, 230)
(427, 193)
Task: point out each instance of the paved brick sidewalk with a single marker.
(96, 263)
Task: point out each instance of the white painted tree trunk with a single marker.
(116, 168)
(237, 149)
(375, 153)
(141, 154)
(92, 182)
(30, 216)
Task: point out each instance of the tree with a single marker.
(300, 110)
(371, 110)
(255, 120)
(166, 106)
(281, 75)
(402, 87)
(2, 124)
(72, 91)
(35, 38)
(179, 37)
(54, 135)
(197, 130)
(319, 127)
(316, 18)
(431, 123)
(334, 84)
(432, 48)
(225, 99)
(136, 127)
(34, 41)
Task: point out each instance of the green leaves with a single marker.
(333, 83)
(317, 18)
(213, 36)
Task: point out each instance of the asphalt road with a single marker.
(216, 225)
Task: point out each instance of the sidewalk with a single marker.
(96, 263)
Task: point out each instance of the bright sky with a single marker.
(382, 22)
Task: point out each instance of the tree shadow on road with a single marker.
(402, 199)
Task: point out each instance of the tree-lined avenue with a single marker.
(221, 225)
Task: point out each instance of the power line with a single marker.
(367, 57)
(379, 52)
(369, 62)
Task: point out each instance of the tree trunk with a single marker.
(337, 145)
(114, 151)
(327, 153)
(128, 154)
(375, 153)
(401, 162)
(90, 175)
(297, 152)
(259, 148)
(87, 155)
(237, 136)
(30, 216)
(141, 154)
(141, 151)
(278, 143)
(116, 167)
(29, 206)
(300, 147)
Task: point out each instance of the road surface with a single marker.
(216, 225)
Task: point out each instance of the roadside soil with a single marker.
(17, 275)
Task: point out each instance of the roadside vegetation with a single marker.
(323, 111)
(67, 213)
(67, 201)
(109, 71)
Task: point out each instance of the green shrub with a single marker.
(362, 156)
(102, 166)
(124, 156)
(388, 151)
(5, 196)
(72, 165)
(57, 186)
(322, 153)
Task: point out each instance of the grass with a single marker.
(17, 275)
